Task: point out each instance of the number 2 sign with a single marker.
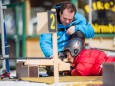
(52, 21)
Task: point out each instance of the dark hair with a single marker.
(60, 7)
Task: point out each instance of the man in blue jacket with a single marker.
(69, 22)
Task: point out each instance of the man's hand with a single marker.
(70, 30)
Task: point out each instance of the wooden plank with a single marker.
(55, 56)
(21, 70)
(33, 71)
(30, 68)
(55, 48)
(63, 66)
(74, 80)
(42, 23)
(26, 71)
(35, 62)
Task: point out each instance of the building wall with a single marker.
(33, 48)
(102, 43)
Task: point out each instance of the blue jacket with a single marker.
(79, 22)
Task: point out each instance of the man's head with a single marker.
(66, 11)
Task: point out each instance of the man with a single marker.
(69, 21)
(85, 62)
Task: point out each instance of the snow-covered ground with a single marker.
(21, 83)
(8, 82)
(27, 83)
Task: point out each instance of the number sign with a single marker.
(52, 21)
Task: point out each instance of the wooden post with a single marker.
(55, 56)
(55, 49)
(50, 26)
(28, 7)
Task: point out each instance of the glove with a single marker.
(70, 30)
